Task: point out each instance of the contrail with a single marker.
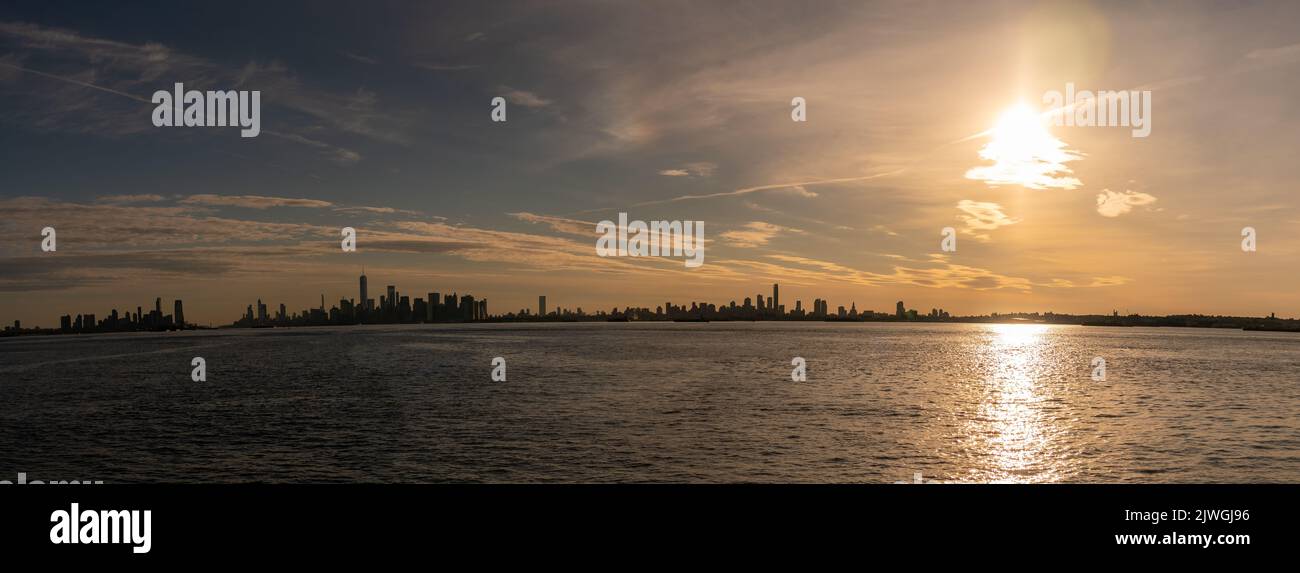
(76, 82)
(748, 190)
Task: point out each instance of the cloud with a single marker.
(1290, 52)
(798, 188)
(377, 210)
(1112, 204)
(134, 71)
(697, 169)
(127, 199)
(983, 216)
(534, 252)
(560, 224)
(117, 225)
(942, 275)
(885, 230)
(101, 244)
(417, 246)
(337, 154)
(525, 98)
(358, 58)
(253, 201)
(755, 234)
(443, 67)
(1025, 153)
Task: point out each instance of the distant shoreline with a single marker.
(1249, 324)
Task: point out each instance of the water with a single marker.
(660, 402)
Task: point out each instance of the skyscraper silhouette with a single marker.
(365, 294)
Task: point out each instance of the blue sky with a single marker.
(376, 116)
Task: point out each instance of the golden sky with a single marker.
(920, 116)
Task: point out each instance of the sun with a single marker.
(1021, 133)
(1024, 152)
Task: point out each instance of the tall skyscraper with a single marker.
(157, 306)
(541, 305)
(392, 297)
(467, 307)
(900, 310)
(776, 297)
(180, 313)
(365, 293)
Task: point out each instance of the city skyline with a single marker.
(382, 122)
(394, 307)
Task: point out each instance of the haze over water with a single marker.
(661, 402)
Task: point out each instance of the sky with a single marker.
(377, 116)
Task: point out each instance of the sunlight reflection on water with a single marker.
(618, 402)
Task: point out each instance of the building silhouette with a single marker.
(365, 294)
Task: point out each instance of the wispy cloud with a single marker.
(127, 199)
(337, 154)
(942, 275)
(134, 71)
(359, 58)
(1112, 204)
(253, 201)
(797, 188)
(376, 210)
(982, 216)
(435, 67)
(560, 224)
(696, 169)
(755, 234)
(525, 98)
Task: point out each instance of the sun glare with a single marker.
(1024, 152)
(1021, 133)
(1018, 334)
